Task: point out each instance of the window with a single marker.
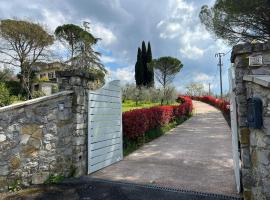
(44, 75)
(51, 75)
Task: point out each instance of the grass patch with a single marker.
(132, 145)
(54, 179)
(131, 105)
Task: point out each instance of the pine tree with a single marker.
(144, 63)
(150, 70)
(139, 69)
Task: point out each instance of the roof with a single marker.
(40, 66)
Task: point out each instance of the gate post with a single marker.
(252, 80)
(80, 82)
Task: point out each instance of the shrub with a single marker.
(137, 122)
(4, 95)
(15, 88)
(37, 94)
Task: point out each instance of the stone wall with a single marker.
(254, 143)
(48, 135)
(34, 140)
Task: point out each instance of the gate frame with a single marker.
(234, 131)
(90, 92)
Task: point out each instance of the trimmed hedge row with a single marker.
(221, 104)
(137, 122)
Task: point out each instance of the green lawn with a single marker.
(131, 105)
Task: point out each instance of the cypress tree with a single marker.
(144, 63)
(150, 70)
(139, 69)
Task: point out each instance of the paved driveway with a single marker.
(196, 155)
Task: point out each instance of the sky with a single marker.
(172, 26)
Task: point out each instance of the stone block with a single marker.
(24, 138)
(246, 160)
(3, 184)
(30, 129)
(64, 114)
(263, 157)
(14, 162)
(80, 126)
(247, 195)
(40, 177)
(3, 138)
(29, 150)
(244, 135)
(36, 143)
(80, 140)
(4, 170)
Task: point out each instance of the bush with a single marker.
(37, 94)
(15, 88)
(137, 122)
(4, 95)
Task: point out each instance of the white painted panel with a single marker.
(103, 130)
(96, 104)
(108, 123)
(107, 92)
(104, 150)
(105, 137)
(106, 143)
(106, 156)
(94, 97)
(103, 164)
(105, 111)
(94, 118)
(113, 87)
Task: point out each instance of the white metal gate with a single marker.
(105, 140)
(233, 109)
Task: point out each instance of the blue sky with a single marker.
(172, 26)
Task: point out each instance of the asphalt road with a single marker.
(87, 188)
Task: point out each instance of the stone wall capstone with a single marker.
(254, 143)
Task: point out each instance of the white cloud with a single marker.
(202, 77)
(192, 52)
(125, 74)
(182, 23)
(53, 19)
(107, 59)
(99, 30)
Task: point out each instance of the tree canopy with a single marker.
(80, 42)
(22, 44)
(165, 69)
(238, 21)
(144, 74)
(74, 36)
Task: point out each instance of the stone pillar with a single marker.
(80, 83)
(253, 183)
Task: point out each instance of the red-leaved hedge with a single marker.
(221, 104)
(137, 122)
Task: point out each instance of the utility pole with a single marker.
(209, 89)
(219, 55)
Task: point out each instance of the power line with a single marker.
(220, 55)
